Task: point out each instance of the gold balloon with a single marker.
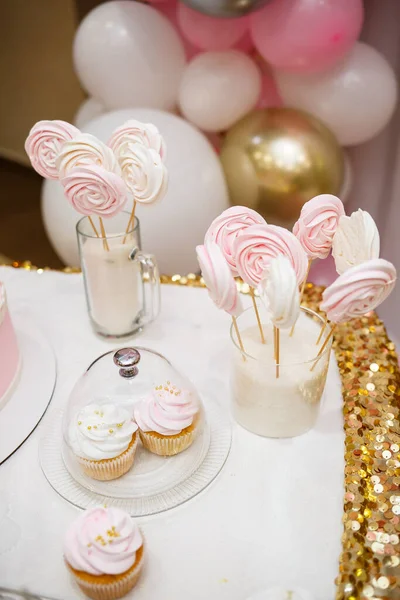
(276, 159)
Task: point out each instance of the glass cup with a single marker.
(122, 283)
(281, 400)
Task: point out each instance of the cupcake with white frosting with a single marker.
(168, 420)
(104, 439)
(103, 549)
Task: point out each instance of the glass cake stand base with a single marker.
(154, 484)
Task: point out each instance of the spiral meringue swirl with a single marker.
(143, 172)
(102, 541)
(135, 132)
(255, 248)
(218, 278)
(318, 223)
(356, 240)
(85, 150)
(167, 410)
(228, 226)
(279, 291)
(44, 143)
(94, 190)
(358, 290)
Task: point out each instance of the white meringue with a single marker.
(280, 292)
(356, 240)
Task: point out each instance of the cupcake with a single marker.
(104, 440)
(168, 420)
(103, 549)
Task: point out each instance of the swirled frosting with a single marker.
(318, 223)
(102, 541)
(228, 226)
(100, 432)
(135, 132)
(358, 290)
(44, 143)
(143, 172)
(218, 278)
(166, 410)
(280, 292)
(259, 244)
(356, 240)
(85, 150)
(94, 190)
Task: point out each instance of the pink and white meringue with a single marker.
(254, 249)
(44, 143)
(279, 291)
(167, 410)
(85, 150)
(102, 541)
(143, 172)
(135, 132)
(355, 241)
(228, 226)
(318, 223)
(218, 278)
(358, 290)
(94, 190)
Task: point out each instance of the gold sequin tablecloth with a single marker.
(369, 565)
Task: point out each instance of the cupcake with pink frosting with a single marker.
(103, 550)
(168, 420)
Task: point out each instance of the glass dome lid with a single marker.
(135, 435)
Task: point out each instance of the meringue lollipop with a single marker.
(357, 291)
(83, 150)
(280, 293)
(317, 224)
(44, 143)
(220, 283)
(140, 150)
(255, 248)
(230, 225)
(355, 241)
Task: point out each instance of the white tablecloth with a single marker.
(271, 517)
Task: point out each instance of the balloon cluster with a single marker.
(277, 86)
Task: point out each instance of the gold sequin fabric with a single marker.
(369, 565)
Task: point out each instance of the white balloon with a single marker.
(355, 99)
(171, 229)
(218, 88)
(88, 110)
(128, 54)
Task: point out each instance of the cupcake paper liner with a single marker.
(168, 446)
(118, 588)
(111, 468)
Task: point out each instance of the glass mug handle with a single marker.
(151, 284)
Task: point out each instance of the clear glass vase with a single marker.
(122, 283)
(279, 400)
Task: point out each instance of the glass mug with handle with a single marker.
(122, 283)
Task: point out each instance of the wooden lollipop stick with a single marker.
(131, 221)
(324, 345)
(257, 315)
(234, 321)
(277, 352)
(103, 235)
(321, 333)
(303, 287)
(93, 225)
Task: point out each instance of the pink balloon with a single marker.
(306, 35)
(209, 33)
(245, 44)
(169, 9)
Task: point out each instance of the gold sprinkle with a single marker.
(79, 422)
(94, 426)
(111, 430)
(89, 427)
(120, 424)
(374, 367)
